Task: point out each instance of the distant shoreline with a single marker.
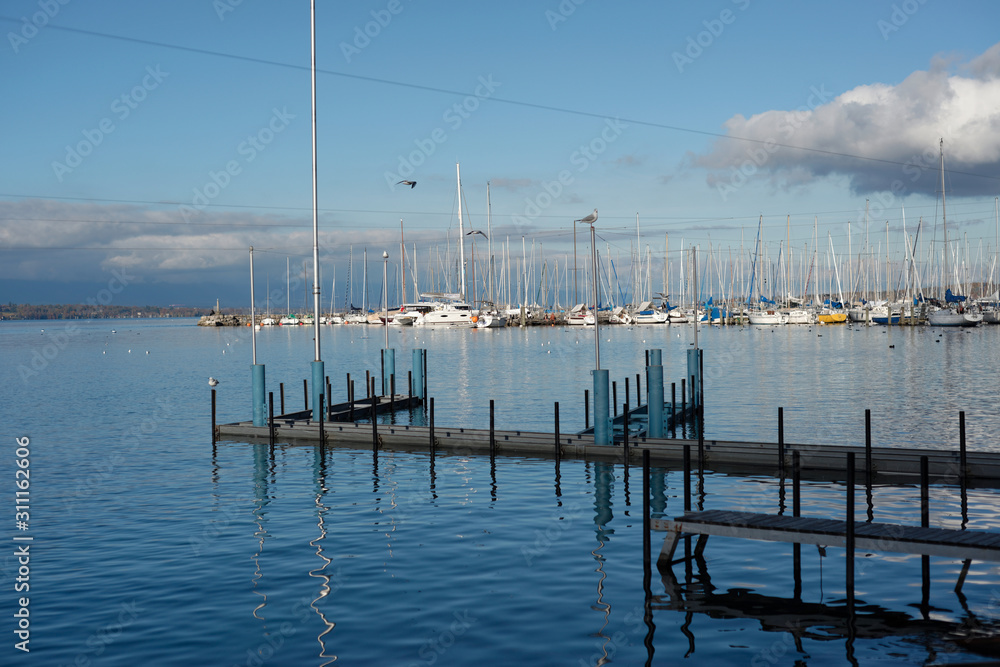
(21, 312)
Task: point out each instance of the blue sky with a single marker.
(194, 117)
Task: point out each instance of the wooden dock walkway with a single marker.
(965, 545)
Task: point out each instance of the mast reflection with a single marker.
(320, 573)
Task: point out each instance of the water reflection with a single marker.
(261, 467)
(325, 588)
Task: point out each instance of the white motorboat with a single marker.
(767, 317)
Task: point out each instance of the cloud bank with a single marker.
(897, 126)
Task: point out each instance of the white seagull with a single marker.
(212, 382)
(590, 219)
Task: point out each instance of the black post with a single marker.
(409, 384)
(305, 392)
(432, 424)
(781, 442)
(925, 522)
(558, 448)
(493, 441)
(687, 478)
(628, 401)
(270, 418)
(425, 372)
(645, 512)
(213, 417)
(329, 398)
(322, 435)
(614, 396)
(392, 393)
(796, 509)
(368, 388)
(625, 432)
(850, 534)
(963, 469)
(281, 388)
(868, 445)
(350, 398)
(638, 395)
(684, 403)
(586, 409)
(382, 361)
(374, 423)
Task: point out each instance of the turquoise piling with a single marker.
(418, 373)
(694, 371)
(259, 395)
(602, 411)
(388, 369)
(318, 383)
(654, 385)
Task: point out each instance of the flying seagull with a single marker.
(212, 382)
(476, 231)
(590, 219)
(410, 183)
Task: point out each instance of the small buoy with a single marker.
(104, 351)
(130, 351)
(147, 351)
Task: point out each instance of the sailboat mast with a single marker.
(489, 232)
(402, 260)
(461, 232)
(315, 195)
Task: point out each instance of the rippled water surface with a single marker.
(151, 548)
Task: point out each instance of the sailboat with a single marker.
(954, 314)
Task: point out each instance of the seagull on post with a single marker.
(212, 382)
(590, 219)
(412, 184)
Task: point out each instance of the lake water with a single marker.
(148, 548)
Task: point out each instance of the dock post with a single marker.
(281, 388)
(214, 431)
(329, 398)
(614, 399)
(432, 424)
(493, 440)
(684, 401)
(654, 401)
(645, 514)
(962, 463)
(558, 449)
(418, 374)
(270, 419)
(796, 510)
(673, 406)
(655, 357)
(374, 417)
(638, 390)
(318, 378)
(388, 369)
(925, 522)
(781, 443)
(687, 478)
(850, 534)
(322, 435)
(602, 420)
(259, 404)
(625, 434)
(305, 393)
(586, 409)
(868, 445)
(424, 357)
(369, 391)
(350, 399)
(392, 394)
(409, 384)
(628, 400)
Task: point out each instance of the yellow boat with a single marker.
(827, 316)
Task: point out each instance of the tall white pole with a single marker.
(385, 290)
(461, 232)
(253, 321)
(315, 190)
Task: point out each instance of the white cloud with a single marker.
(898, 125)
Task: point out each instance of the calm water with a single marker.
(150, 549)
